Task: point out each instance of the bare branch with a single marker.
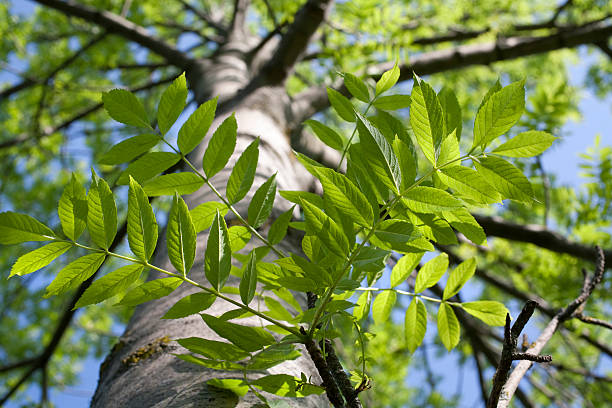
(592, 320)
(237, 24)
(219, 28)
(331, 388)
(116, 24)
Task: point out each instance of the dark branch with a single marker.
(116, 24)
(340, 376)
(331, 388)
(219, 28)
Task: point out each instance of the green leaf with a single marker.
(458, 277)
(243, 173)
(218, 257)
(238, 387)
(204, 214)
(469, 183)
(189, 305)
(272, 356)
(499, 113)
(448, 326)
(296, 196)
(172, 103)
(151, 290)
(101, 213)
(279, 384)
(217, 350)
(362, 307)
(16, 228)
(379, 154)
(449, 152)
(356, 87)
(39, 258)
(387, 80)
(180, 236)
(278, 230)
(110, 285)
(246, 337)
(404, 267)
(141, 224)
(72, 209)
(426, 118)
(327, 135)
(276, 310)
(213, 364)
(262, 202)
(466, 224)
(168, 184)
(74, 273)
(196, 126)
(248, 282)
(343, 107)
(406, 162)
(392, 102)
(124, 107)
(238, 236)
(382, 306)
(326, 229)
(452, 111)
(526, 144)
(415, 324)
(431, 273)
(495, 88)
(220, 147)
(491, 312)
(345, 196)
(298, 284)
(129, 149)
(506, 178)
(148, 166)
(428, 199)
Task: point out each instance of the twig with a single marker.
(331, 388)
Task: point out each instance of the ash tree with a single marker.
(176, 167)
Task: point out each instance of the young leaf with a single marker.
(415, 324)
(101, 213)
(469, 183)
(180, 236)
(39, 258)
(16, 228)
(72, 209)
(129, 149)
(171, 104)
(327, 135)
(465, 223)
(246, 337)
(204, 214)
(506, 178)
(326, 229)
(343, 107)
(431, 273)
(499, 113)
(345, 196)
(74, 273)
(238, 236)
(379, 154)
(495, 88)
(260, 207)
(404, 267)
(218, 257)
(449, 152)
(190, 304)
(448, 326)
(148, 166)
(243, 173)
(452, 111)
(356, 87)
(426, 118)
(217, 350)
(110, 285)
(141, 224)
(423, 199)
(387, 80)
(237, 386)
(458, 277)
(382, 306)
(491, 312)
(151, 290)
(248, 283)
(278, 230)
(124, 107)
(195, 127)
(362, 308)
(392, 102)
(406, 162)
(168, 184)
(220, 147)
(526, 144)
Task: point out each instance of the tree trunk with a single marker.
(141, 371)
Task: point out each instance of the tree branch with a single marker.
(237, 24)
(219, 28)
(116, 24)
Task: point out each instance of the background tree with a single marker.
(270, 62)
